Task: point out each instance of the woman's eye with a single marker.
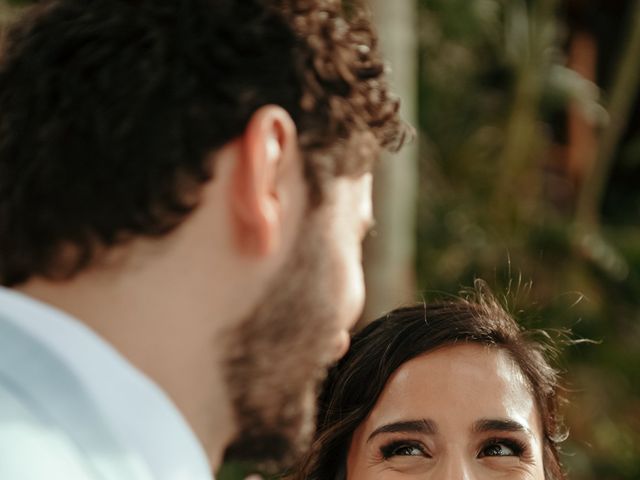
(501, 449)
(397, 449)
(407, 450)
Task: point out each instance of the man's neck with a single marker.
(155, 324)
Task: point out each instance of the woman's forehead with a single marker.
(457, 384)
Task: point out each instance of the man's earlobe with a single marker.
(256, 202)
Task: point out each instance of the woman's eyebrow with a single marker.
(424, 426)
(503, 425)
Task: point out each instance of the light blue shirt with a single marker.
(73, 408)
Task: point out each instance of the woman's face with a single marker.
(460, 412)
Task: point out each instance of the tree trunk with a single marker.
(389, 254)
(621, 100)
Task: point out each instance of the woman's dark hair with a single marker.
(110, 110)
(355, 383)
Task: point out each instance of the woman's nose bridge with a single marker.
(454, 465)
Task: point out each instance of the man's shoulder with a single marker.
(31, 449)
(50, 426)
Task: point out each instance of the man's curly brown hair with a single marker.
(110, 109)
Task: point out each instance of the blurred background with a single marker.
(523, 173)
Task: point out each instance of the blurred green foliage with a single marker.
(495, 204)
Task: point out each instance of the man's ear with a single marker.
(267, 145)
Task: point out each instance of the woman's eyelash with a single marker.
(392, 449)
(516, 446)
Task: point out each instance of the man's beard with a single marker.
(278, 356)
